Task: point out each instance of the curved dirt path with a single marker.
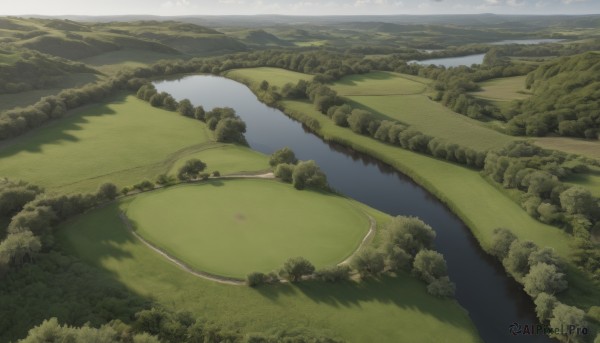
(368, 237)
(204, 275)
(227, 280)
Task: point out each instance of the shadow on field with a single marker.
(353, 79)
(57, 131)
(402, 291)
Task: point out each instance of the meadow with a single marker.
(123, 141)
(275, 76)
(387, 309)
(250, 225)
(503, 89)
(571, 145)
(380, 83)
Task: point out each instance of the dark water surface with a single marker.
(493, 300)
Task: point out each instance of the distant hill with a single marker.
(263, 38)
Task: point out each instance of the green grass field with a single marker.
(389, 309)
(380, 83)
(123, 141)
(571, 145)
(432, 118)
(247, 225)
(590, 181)
(503, 89)
(478, 203)
(275, 76)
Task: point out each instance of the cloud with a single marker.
(568, 2)
(176, 4)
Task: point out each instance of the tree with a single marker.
(14, 195)
(191, 169)
(501, 240)
(283, 155)
(185, 108)
(565, 316)
(544, 305)
(429, 265)
(107, 191)
(410, 234)
(397, 258)
(442, 287)
(517, 260)
(359, 120)
(369, 262)
(308, 174)
(577, 200)
(18, 248)
(296, 267)
(545, 255)
(199, 113)
(264, 85)
(256, 279)
(284, 171)
(38, 220)
(544, 278)
(230, 130)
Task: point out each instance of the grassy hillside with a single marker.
(384, 310)
(380, 83)
(571, 146)
(123, 141)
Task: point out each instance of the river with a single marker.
(493, 300)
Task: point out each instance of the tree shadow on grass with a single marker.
(57, 131)
(402, 291)
(355, 79)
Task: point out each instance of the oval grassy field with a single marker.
(234, 227)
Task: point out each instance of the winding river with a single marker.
(493, 300)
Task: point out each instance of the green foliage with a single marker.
(544, 306)
(308, 174)
(295, 268)
(501, 241)
(107, 191)
(410, 234)
(18, 248)
(191, 169)
(564, 316)
(231, 130)
(14, 195)
(185, 108)
(544, 278)
(285, 171)
(429, 265)
(369, 262)
(517, 260)
(334, 274)
(441, 287)
(256, 279)
(283, 155)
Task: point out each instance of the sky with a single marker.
(295, 7)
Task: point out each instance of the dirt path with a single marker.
(368, 237)
(226, 280)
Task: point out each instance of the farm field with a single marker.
(356, 312)
(276, 76)
(114, 61)
(250, 225)
(123, 141)
(503, 89)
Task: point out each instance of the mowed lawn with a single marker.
(386, 310)
(123, 141)
(235, 227)
(275, 76)
(503, 89)
(380, 83)
(432, 118)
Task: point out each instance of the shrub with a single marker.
(334, 274)
(369, 262)
(256, 279)
(501, 240)
(284, 171)
(107, 191)
(296, 267)
(544, 278)
(283, 155)
(429, 265)
(544, 305)
(442, 287)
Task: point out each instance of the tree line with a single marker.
(538, 174)
(542, 274)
